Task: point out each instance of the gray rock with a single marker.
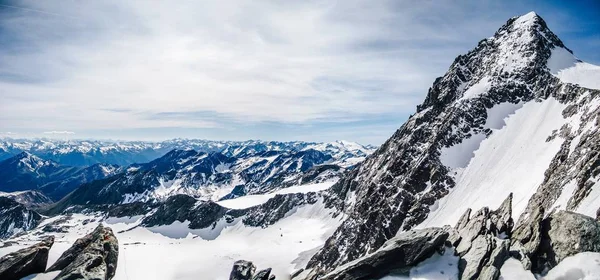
(482, 242)
(501, 221)
(565, 234)
(464, 219)
(526, 237)
(242, 270)
(474, 228)
(26, 261)
(485, 258)
(93, 256)
(398, 254)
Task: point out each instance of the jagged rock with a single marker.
(464, 219)
(482, 242)
(473, 260)
(565, 234)
(26, 261)
(398, 254)
(501, 221)
(242, 270)
(526, 237)
(473, 229)
(93, 256)
(484, 259)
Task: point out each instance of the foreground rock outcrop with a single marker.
(244, 270)
(398, 254)
(26, 261)
(93, 256)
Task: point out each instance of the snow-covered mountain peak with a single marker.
(31, 162)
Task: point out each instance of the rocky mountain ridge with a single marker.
(436, 153)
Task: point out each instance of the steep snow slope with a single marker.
(512, 159)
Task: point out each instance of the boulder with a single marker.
(242, 270)
(93, 256)
(26, 261)
(399, 254)
(565, 234)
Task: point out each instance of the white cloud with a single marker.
(59, 132)
(129, 64)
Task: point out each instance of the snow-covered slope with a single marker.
(284, 245)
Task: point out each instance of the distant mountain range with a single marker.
(221, 170)
(89, 152)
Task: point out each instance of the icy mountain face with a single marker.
(28, 172)
(28, 198)
(210, 176)
(15, 218)
(89, 152)
(502, 120)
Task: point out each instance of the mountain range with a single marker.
(495, 176)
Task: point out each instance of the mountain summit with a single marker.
(502, 121)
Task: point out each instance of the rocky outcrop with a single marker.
(482, 242)
(565, 234)
(244, 270)
(16, 218)
(26, 261)
(93, 256)
(398, 254)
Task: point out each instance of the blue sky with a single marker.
(236, 70)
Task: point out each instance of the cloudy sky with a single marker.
(235, 70)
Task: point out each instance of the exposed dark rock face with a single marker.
(206, 214)
(26, 261)
(565, 234)
(394, 188)
(276, 208)
(201, 214)
(244, 270)
(398, 254)
(16, 218)
(93, 256)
